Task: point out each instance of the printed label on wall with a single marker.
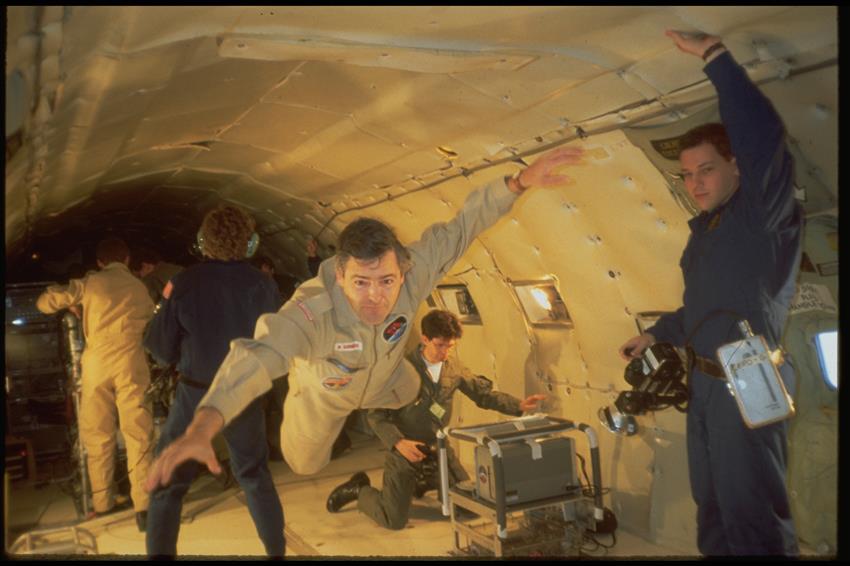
(812, 297)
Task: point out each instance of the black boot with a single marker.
(347, 492)
(142, 520)
(341, 444)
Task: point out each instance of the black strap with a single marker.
(717, 46)
(707, 366)
(192, 383)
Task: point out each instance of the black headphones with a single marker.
(253, 243)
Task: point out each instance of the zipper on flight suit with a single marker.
(372, 365)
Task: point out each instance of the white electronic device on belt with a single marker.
(754, 380)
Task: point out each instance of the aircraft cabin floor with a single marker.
(216, 522)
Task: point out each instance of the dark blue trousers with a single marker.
(246, 441)
(737, 477)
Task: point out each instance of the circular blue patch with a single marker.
(395, 330)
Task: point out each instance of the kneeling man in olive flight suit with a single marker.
(409, 433)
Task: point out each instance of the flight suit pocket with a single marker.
(345, 363)
(347, 355)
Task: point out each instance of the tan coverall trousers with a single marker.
(115, 376)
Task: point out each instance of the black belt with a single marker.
(709, 367)
(192, 383)
(713, 369)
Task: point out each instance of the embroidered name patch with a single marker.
(355, 346)
(395, 329)
(336, 383)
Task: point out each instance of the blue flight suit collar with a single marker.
(709, 220)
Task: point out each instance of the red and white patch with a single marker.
(166, 292)
(307, 314)
(355, 346)
(336, 383)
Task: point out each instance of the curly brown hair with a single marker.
(225, 232)
(441, 324)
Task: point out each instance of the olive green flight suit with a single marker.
(390, 506)
(115, 375)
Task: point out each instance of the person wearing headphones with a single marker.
(203, 308)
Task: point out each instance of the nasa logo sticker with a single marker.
(395, 330)
(336, 383)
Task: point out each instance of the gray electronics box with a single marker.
(526, 478)
(755, 382)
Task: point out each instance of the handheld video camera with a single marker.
(658, 381)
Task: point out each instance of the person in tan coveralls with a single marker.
(116, 308)
(342, 335)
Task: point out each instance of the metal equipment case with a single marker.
(526, 497)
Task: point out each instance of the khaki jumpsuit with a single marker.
(116, 308)
(336, 363)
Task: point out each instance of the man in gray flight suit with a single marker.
(341, 336)
(407, 431)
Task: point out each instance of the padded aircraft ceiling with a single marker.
(139, 119)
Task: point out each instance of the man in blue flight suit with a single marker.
(205, 307)
(741, 262)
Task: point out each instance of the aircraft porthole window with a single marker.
(542, 303)
(647, 319)
(826, 344)
(458, 300)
